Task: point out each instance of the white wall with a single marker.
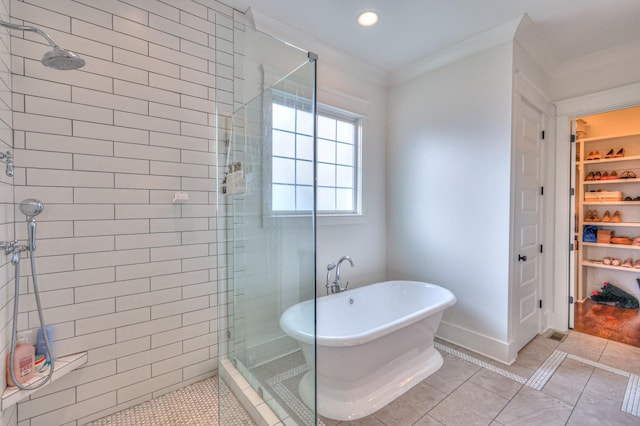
(125, 274)
(359, 88)
(448, 191)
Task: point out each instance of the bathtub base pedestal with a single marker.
(359, 400)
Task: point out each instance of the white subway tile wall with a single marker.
(7, 233)
(125, 273)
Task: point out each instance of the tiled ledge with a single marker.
(63, 365)
(248, 398)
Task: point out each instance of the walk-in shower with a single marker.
(270, 252)
(58, 58)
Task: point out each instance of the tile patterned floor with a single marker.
(196, 405)
(582, 380)
(580, 388)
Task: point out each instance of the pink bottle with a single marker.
(23, 364)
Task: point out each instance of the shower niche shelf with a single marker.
(63, 366)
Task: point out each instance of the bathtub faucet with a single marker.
(336, 285)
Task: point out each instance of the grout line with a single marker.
(599, 365)
(546, 370)
(479, 363)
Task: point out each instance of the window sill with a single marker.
(341, 219)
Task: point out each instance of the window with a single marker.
(292, 160)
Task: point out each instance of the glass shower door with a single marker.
(270, 226)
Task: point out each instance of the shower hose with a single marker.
(16, 262)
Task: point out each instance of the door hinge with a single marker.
(573, 138)
(570, 300)
(540, 303)
(541, 248)
(543, 134)
(571, 247)
(542, 190)
(572, 191)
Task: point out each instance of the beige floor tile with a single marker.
(569, 380)
(530, 407)
(328, 422)
(594, 410)
(535, 353)
(606, 386)
(583, 345)
(365, 421)
(468, 405)
(496, 383)
(427, 420)
(453, 373)
(622, 356)
(411, 406)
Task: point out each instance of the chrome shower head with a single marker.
(58, 58)
(62, 59)
(31, 208)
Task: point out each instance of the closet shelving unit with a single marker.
(591, 272)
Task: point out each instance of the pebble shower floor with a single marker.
(195, 405)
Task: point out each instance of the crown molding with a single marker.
(477, 43)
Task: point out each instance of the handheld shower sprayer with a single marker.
(31, 208)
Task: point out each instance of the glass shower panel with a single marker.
(269, 261)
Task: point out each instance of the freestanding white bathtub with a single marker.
(374, 343)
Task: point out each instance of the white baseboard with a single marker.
(503, 352)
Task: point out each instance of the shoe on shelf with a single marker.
(597, 155)
(609, 154)
(590, 155)
(628, 263)
(606, 217)
(615, 262)
(594, 216)
(637, 264)
(607, 260)
(589, 176)
(628, 199)
(620, 153)
(616, 217)
(597, 176)
(613, 175)
(605, 176)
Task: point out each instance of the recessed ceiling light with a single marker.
(367, 19)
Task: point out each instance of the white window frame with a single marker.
(336, 114)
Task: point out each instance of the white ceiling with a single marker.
(411, 30)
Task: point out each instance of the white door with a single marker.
(527, 260)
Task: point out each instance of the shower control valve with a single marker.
(12, 247)
(8, 246)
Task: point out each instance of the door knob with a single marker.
(522, 258)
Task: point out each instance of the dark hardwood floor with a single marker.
(609, 322)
